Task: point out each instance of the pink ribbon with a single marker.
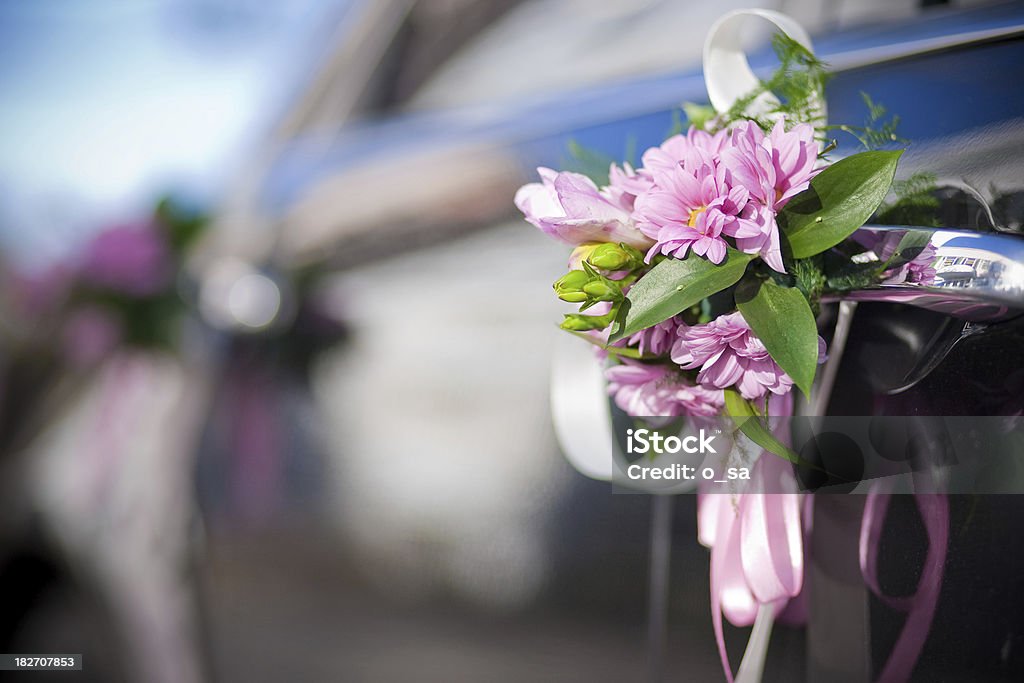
(756, 542)
(920, 607)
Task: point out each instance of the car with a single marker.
(424, 176)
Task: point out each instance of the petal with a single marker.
(581, 199)
(716, 251)
(771, 251)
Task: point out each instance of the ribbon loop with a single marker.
(727, 73)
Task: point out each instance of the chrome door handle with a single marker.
(977, 276)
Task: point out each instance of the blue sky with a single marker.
(104, 104)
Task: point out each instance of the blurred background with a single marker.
(276, 349)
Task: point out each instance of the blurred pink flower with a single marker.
(131, 259)
(571, 208)
(728, 354)
(643, 390)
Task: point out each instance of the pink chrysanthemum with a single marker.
(772, 168)
(691, 209)
(656, 340)
(690, 150)
(643, 390)
(626, 184)
(728, 354)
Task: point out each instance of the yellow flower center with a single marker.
(692, 220)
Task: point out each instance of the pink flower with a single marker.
(656, 340)
(644, 390)
(132, 259)
(691, 208)
(570, 208)
(626, 184)
(728, 354)
(772, 168)
(919, 270)
(689, 150)
(922, 268)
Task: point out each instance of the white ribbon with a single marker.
(579, 408)
(727, 73)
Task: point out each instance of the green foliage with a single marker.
(798, 84)
(674, 285)
(878, 131)
(844, 275)
(909, 248)
(746, 419)
(810, 279)
(840, 199)
(782, 319)
(182, 224)
(594, 164)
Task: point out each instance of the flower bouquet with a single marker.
(58, 325)
(698, 275)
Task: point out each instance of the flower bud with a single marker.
(615, 257)
(570, 286)
(581, 253)
(602, 291)
(576, 322)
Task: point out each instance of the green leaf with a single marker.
(840, 199)
(782, 319)
(673, 286)
(743, 414)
